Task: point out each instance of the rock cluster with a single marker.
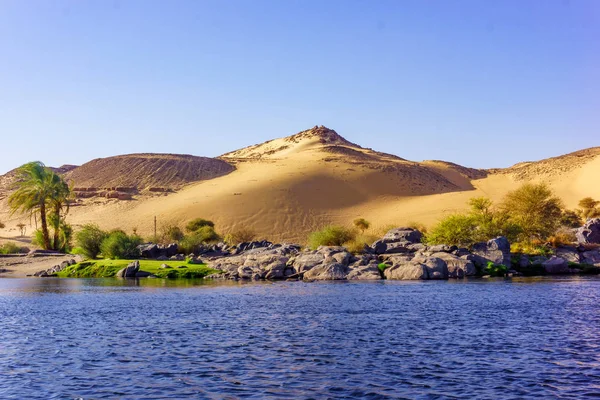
(398, 255)
(55, 269)
(590, 232)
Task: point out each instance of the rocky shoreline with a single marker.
(399, 255)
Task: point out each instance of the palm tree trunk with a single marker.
(44, 226)
(56, 228)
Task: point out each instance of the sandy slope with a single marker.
(287, 187)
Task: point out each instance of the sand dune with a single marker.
(287, 187)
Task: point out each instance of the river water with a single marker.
(106, 338)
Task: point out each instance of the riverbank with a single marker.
(145, 268)
(23, 265)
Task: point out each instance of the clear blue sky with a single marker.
(481, 83)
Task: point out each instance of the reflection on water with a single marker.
(154, 338)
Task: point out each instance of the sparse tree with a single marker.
(22, 228)
(534, 208)
(362, 224)
(589, 208)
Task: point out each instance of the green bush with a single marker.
(119, 245)
(457, 229)
(382, 266)
(535, 209)
(482, 223)
(190, 243)
(10, 248)
(330, 236)
(495, 269)
(89, 239)
(198, 223)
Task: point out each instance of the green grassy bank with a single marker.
(109, 268)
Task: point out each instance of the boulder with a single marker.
(568, 253)
(240, 248)
(457, 267)
(556, 265)
(436, 267)
(495, 250)
(365, 272)
(306, 261)
(379, 247)
(402, 235)
(398, 247)
(589, 232)
(149, 250)
(130, 271)
(408, 271)
(270, 266)
(327, 272)
(591, 257)
(438, 248)
(169, 250)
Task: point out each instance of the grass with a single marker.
(108, 268)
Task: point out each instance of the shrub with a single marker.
(2, 226)
(457, 229)
(240, 236)
(533, 248)
(357, 244)
(191, 243)
(89, 239)
(119, 245)
(563, 236)
(482, 223)
(330, 236)
(589, 208)
(65, 236)
(382, 266)
(570, 219)
(534, 208)
(198, 223)
(10, 248)
(362, 224)
(171, 233)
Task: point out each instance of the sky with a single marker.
(480, 83)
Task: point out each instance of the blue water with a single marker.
(489, 339)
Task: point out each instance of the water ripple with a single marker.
(385, 340)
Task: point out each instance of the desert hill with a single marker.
(143, 171)
(286, 187)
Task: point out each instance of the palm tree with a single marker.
(33, 189)
(58, 201)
